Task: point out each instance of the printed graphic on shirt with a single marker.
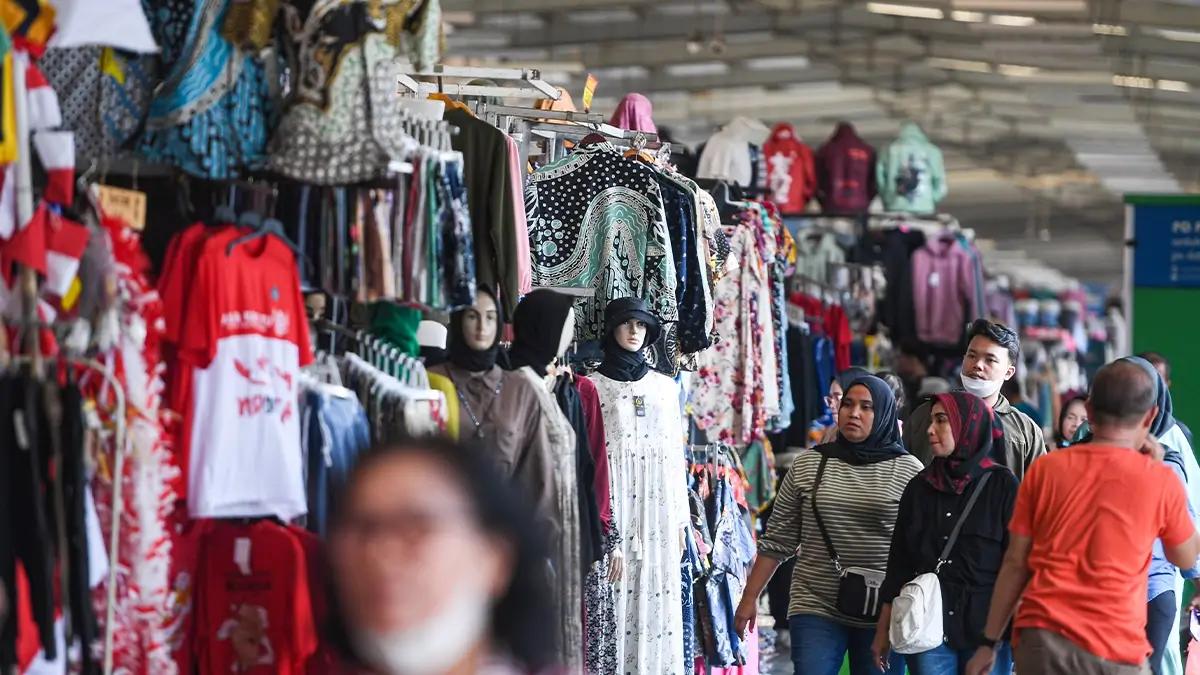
(246, 631)
(909, 181)
(780, 177)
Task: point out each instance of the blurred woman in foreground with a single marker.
(436, 568)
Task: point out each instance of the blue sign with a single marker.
(1166, 245)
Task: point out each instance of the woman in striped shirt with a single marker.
(862, 476)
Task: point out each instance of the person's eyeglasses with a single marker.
(833, 401)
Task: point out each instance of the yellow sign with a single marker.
(127, 205)
(589, 90)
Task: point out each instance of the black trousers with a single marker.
(1160, 627)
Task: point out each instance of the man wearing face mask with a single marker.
(992, 355)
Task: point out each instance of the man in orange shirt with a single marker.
(1080, 540)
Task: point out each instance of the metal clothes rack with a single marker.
(527, 82)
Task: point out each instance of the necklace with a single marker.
(467, 406)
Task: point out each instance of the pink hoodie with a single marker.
(634, 113)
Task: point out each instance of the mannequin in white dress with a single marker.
(645, 436)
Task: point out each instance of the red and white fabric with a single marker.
(56, 150)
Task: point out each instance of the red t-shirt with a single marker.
(246, 338)
(253, 605)
(1093, 513)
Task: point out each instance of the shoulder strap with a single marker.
(837, 563)
(962, 519)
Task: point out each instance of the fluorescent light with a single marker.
(697, 69)
(778, 63)
(968, 17)
(1178, 35)
(1011, 20)
(1174, 85)
(905, 10)
(599, 16)
(959, 64)
(1109, 29)
(1010, 70)
(1133, 81)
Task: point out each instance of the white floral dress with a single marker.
(644, 432)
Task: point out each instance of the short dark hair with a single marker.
(520, 616)
(1158, 360)
(999, 334)
(1121, 395)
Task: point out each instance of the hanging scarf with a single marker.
(1164, 420)
(978, 436)
(538, 324)
(883, 443)
(461, 354)
(619, 363)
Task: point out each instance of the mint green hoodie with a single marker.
(910, 173)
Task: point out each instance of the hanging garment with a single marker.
(791, 173)
(845, 172)
(943, 291)
(634, 113)
(493, 212)
(597, 220)
(645, 442)
(209, 114)
(253, 604)
(910, 174)
(334, 432)
(556, 434)
(726, 157)
(815, 252)
(894, 250)
(117, 23)
(342, 123)
(247, 339)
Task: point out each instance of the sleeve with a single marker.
(533, 471)
(521, 221)
(873, 184)
(198, 344)
(1036, 445)
(659, 265)
(920, 290)
(1176, 525)
(594, 420)
(967, 285)
(502, 229)
(1025, 507)
(901, 565)
(938, 176)
(809, 187)
(881, 178)
(300, 317)
(783, 531)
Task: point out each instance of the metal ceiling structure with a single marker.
(1047, 110)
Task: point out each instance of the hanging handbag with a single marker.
(858, 587)
(917, 611)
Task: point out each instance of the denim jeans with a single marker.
(819, 645)
(946, 660)
(334, 431)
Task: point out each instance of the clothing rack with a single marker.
(528, 82)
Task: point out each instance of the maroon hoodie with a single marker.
(845, 172)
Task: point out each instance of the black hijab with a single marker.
(883, 443)
(849, 375)
(1165, 419)
(619, 363)
(457, 350)
(537, 329)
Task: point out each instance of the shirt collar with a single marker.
(1002, 407)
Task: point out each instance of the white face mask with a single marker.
(982, 388)
(437, 644)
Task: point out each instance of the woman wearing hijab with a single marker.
(543, 327)
(1165, 584)
(837, 388)
(964, 434)
(853, 485)
(646, 437)
(1072, 416)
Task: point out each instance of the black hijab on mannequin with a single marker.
(538, 324)
(461, 354)
(883, 443)
(619, 363)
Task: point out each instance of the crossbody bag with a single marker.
(858, 587)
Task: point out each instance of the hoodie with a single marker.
(911, 175)
(634, 113)
(845, 172)
(791, 173)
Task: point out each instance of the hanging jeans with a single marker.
(945, 660)
(335, 431)
(819, 645)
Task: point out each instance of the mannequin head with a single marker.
(543, 327)
(631, 335)
(480, 323)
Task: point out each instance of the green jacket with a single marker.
(910, 173)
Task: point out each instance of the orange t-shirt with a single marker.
(1093, 513)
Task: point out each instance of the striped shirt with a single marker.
(858, 506)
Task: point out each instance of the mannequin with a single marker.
(498, 408)
(543, 328)
(644, 430)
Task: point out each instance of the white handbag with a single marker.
(917, 612)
